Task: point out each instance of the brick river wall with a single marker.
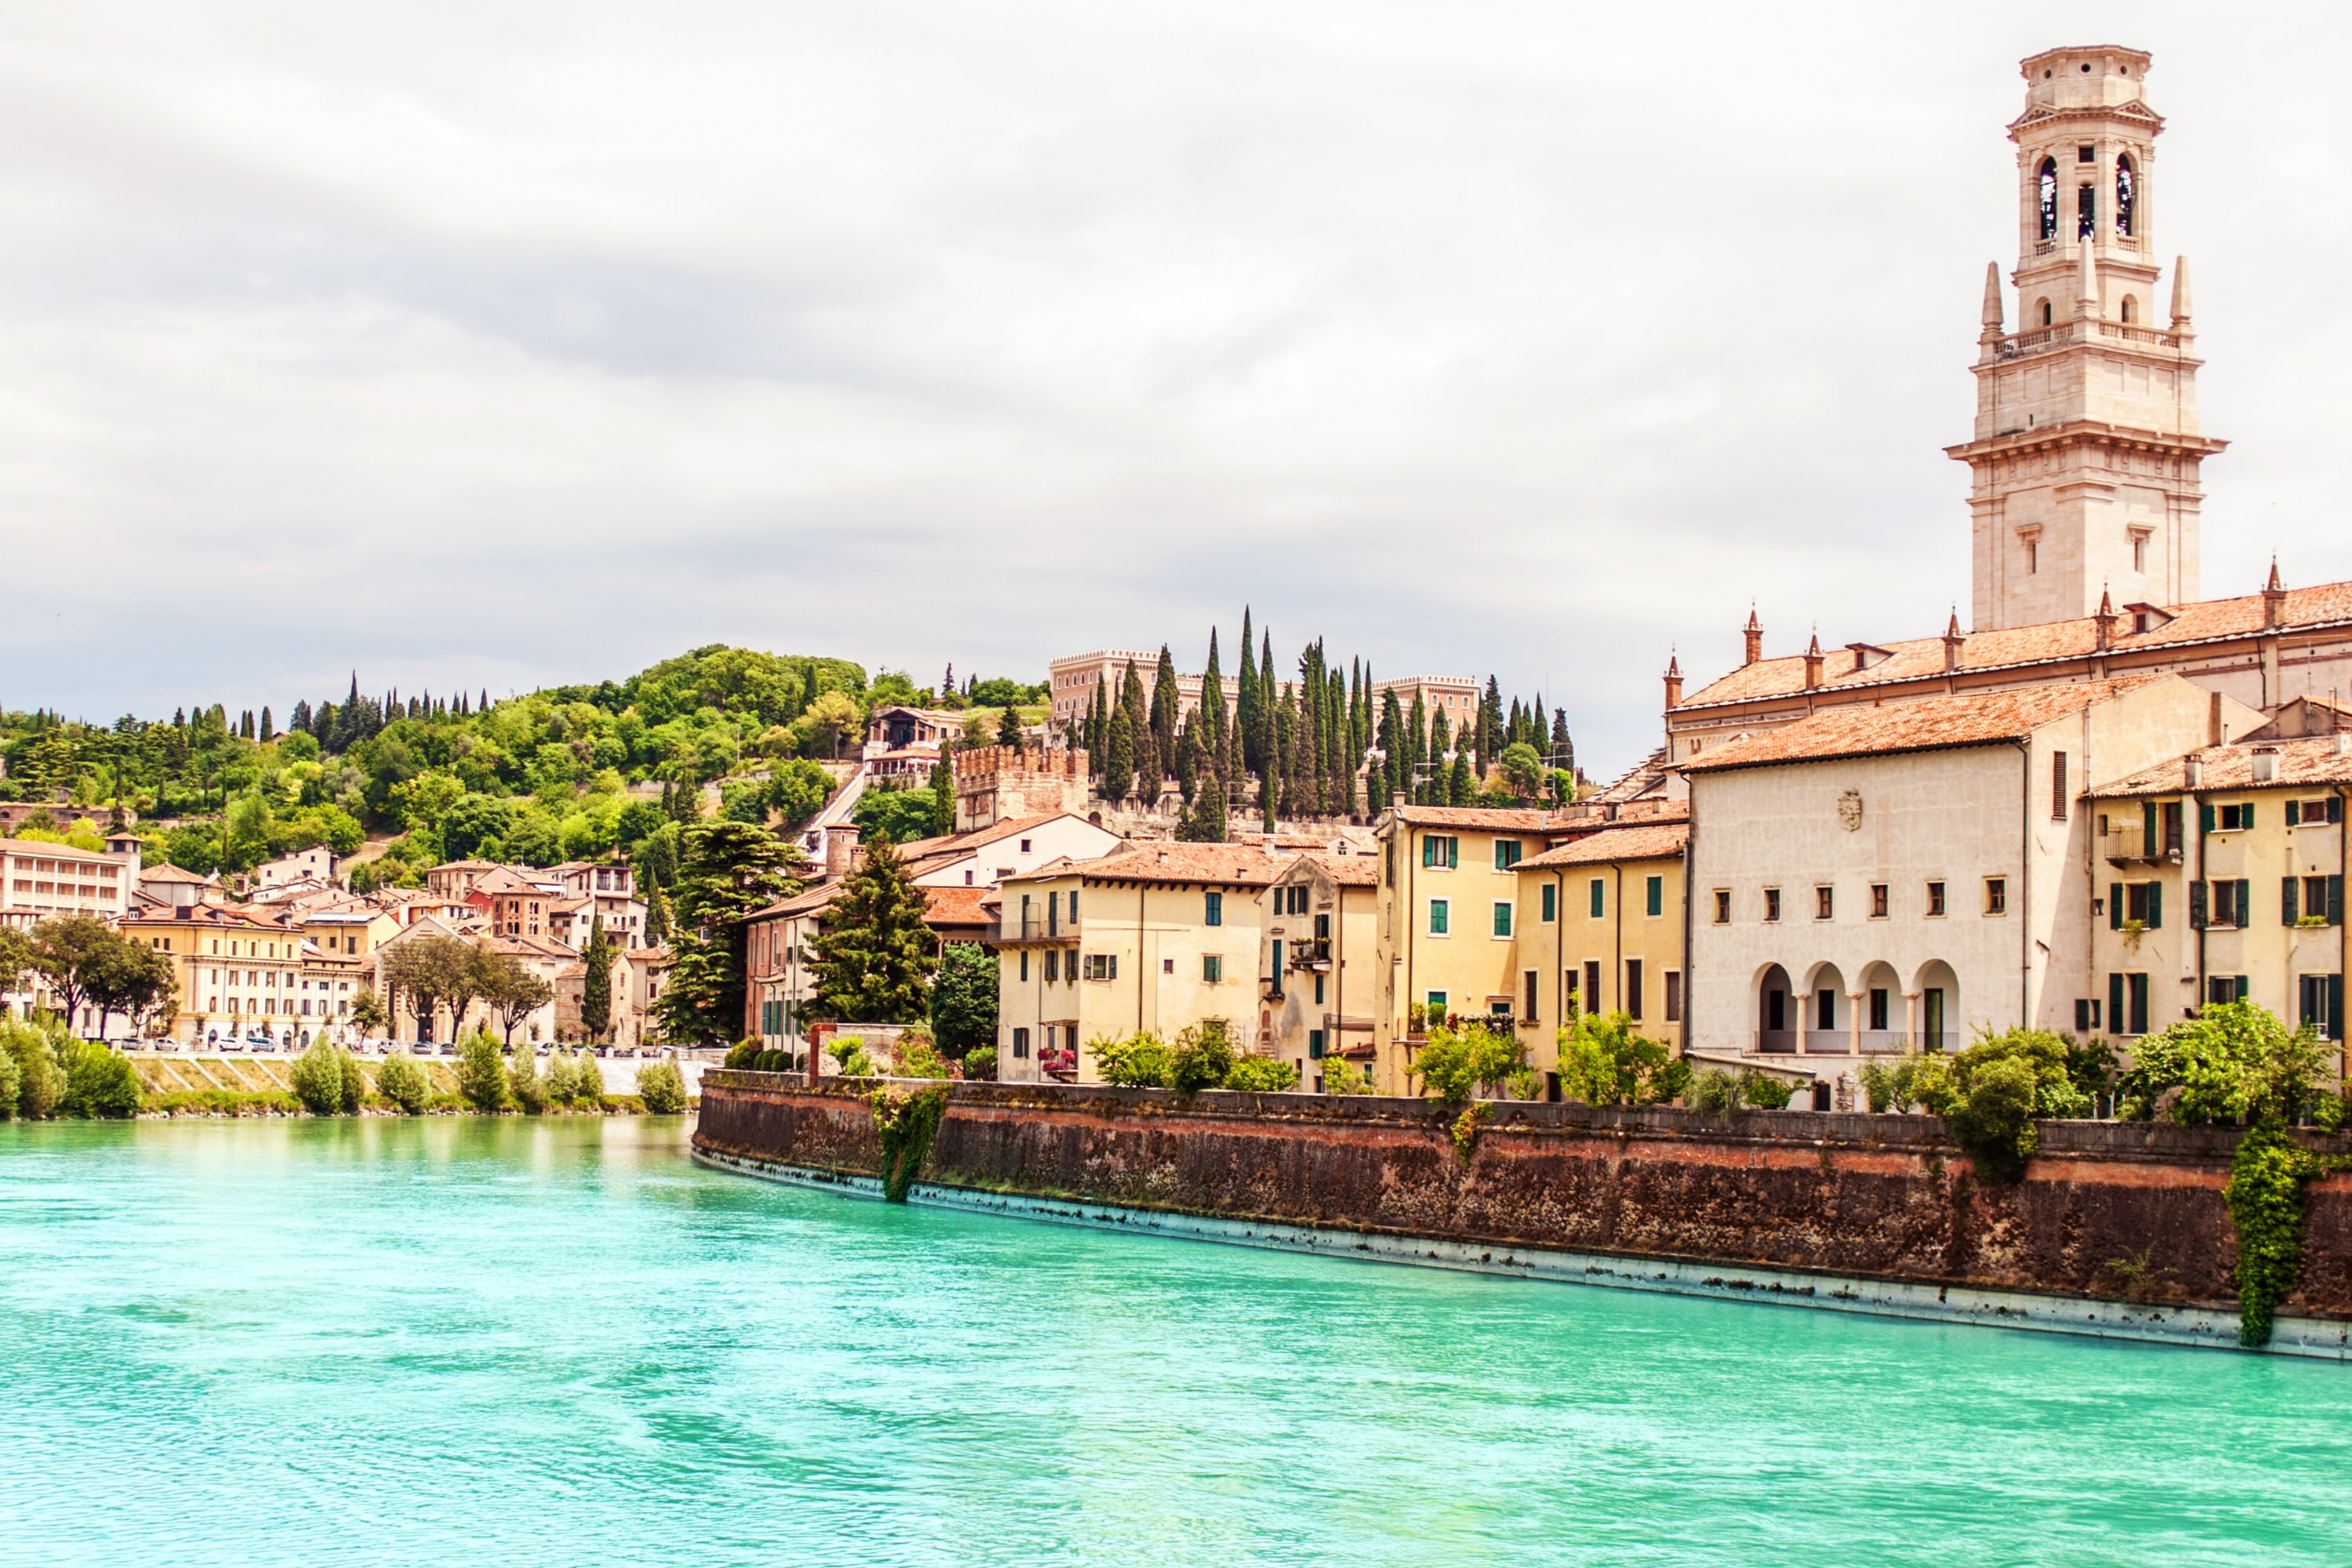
(1874, 1197)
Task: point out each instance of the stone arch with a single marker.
(1776, 1010)
(2044, 315)
(2130, 309)
(1828, 1008)
(2127, 195)
(2046, 198)
(1938, 989)
(1884, 1021)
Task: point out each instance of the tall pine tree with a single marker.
(726, 871)
(1246, 703)
(596, 988)
(875, 955)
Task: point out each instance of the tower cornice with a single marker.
(2085, 432)
(2045, 114)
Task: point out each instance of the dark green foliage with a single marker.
(875, 954)
(943, 795)
(1261, 1075)
(661, 1089)
(904, 1125)
(894, 813)
(1118, 758)
(101, 1083)
(1138, 1061)
(328, 1080)
(40, 1076)
(1764, 1091)
(596, 985)
(1204, 1057)
(402, 1082)
(1458, 1062)
(2235, 1061)
(727, 871)
(11, 1077)
(1604, 1060)
(798, 789)
(741, 1053)
(525, 1084)
(2265, 1194)
(963, 1000)
(481, 1074)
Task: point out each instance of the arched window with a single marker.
(2044, 306)
(2131, 310)
(2048, 198)
(2127, 196)
(2086, 211)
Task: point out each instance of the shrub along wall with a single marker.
(2105, 1209)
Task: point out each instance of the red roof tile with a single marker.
(1924, 724)
(1646, 841)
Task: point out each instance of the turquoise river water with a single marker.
(521, 1342)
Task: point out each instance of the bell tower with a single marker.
(2086, 450)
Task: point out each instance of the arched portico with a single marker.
(1935, 1004)
(1776, 1010)
(1829, 1013)
(1882, 1023)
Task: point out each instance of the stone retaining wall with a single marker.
(1883, 1197)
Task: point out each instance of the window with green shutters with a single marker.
(1657, 896)
(1599, 899)
(1437, 916)
(2127, 1004)
(1213, 908)
(1506, 854)
(1551, 903)
(1441, 851)
(1502, 917)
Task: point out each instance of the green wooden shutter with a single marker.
(2335, 900)
(2198, 914)
(1658, 895)
(2115, 906)
(1453, 854)
(2290, 888)
(2115, 1003)
(2246, 815)
(2245, 902)
(2294, 813)
(2149, 843)
(2155, 905)
(2335, 810)
(2205, 818)
(2335, 1006)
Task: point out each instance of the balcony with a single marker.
(1776, 1042)
(1311, 954)
(2137, 847)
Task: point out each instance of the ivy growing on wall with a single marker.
(2265, 1197)
(905, 1124)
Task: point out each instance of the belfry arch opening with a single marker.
(2127, 196)
(2049, 197)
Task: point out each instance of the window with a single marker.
(1528, 983)
(2087, 1015)
(2322, 1004)
(1598, 899)
(1053, 965)
(1440, 852)
(2309, 813)
(2032, 557)
(1212, 912)
(1502, 916)
(1655, 897)
(1825, 1010)
(1824, 903)
(2086, 154)
(1878, 1007)
(1213, 970)
(2047, 194)
(1318, 988)
(1674, 996)
(2140, 902)
(1167, 966)
(1437, 916)
(2225, 988)
(2139, 541)
(1437, 1011)
(2048, 319)
(1592, 985)
(1772, 904)
(1996, 900)
(1506, 854)
(1315, 1047)
(2317, 897)
(1102, 966)
(1024, 847)
(1024, 964)
(2127, 196)
(1551, 903)
(2228, 901)
(2230, 818)
(1723, 906)
(2057, 786)
(1021, 1043)
(2086, 211)
(2127, 1004)
(1632, 988)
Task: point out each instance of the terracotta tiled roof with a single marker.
(1916, 657)
(1489, 819)
(1647, 841)
(174, 874)
(806, 901)
(2300, 763)
(1231, 864)
(1926, 724)
(1347, 870)
(955, 906)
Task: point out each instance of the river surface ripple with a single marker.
(548, 1341)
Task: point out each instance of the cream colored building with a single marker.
(238, 974)
(1872, 877)
(1601, 925)
(1156, 938)
(1318, 964)
(2220, 877)
(1449, 913)
(41, 880)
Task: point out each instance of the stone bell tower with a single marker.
(2086, 450)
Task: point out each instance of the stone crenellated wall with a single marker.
(1884, 1197)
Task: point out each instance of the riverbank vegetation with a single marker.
(46, 1073)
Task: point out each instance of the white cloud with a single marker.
(534, 342)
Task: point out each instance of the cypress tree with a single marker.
(1416, 754)
(1246, 703)
(268, 731)
(1269, 700)
(1167, 709)
(1563, 749)
(875, 955)
(1345, 752)
(1119, 757)
(1460, 787)
(597, 989)
(1212, 706)
(656, 917)
(1145, 762)
(1008, 727)
(943, 791)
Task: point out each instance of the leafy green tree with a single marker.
(1460, 786)
(2236, 1061)
(898, 815)
(875, 954)
(402, 1082)
(658, 917)
(509, 988)
(661, 1089)
(964, 999)
(728, 870)
(1264, 1075)
(328, 1080)
(131, 977)
(1459, 1060)
(369, 1014)
(596, 986)
(101, 1083)
(1523, 766)
(1141, 1061)
(70, 950)
(11, 1078)
(40, 1076)
(525, 1086)
(481, 1074)
(1204, 1057)
(1603, 1061)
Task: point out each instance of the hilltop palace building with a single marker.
(2086, 464)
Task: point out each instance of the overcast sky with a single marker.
(499, 345)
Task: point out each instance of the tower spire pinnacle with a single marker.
(2180, 293)
(1992, 306)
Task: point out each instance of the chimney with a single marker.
(1814, 661)
(1674, 682)
(1755, 636)
(2273, 599)
(1399, 800)
(1952, 640)
(2266, 764)
(2192, 773)
(2107, 619)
